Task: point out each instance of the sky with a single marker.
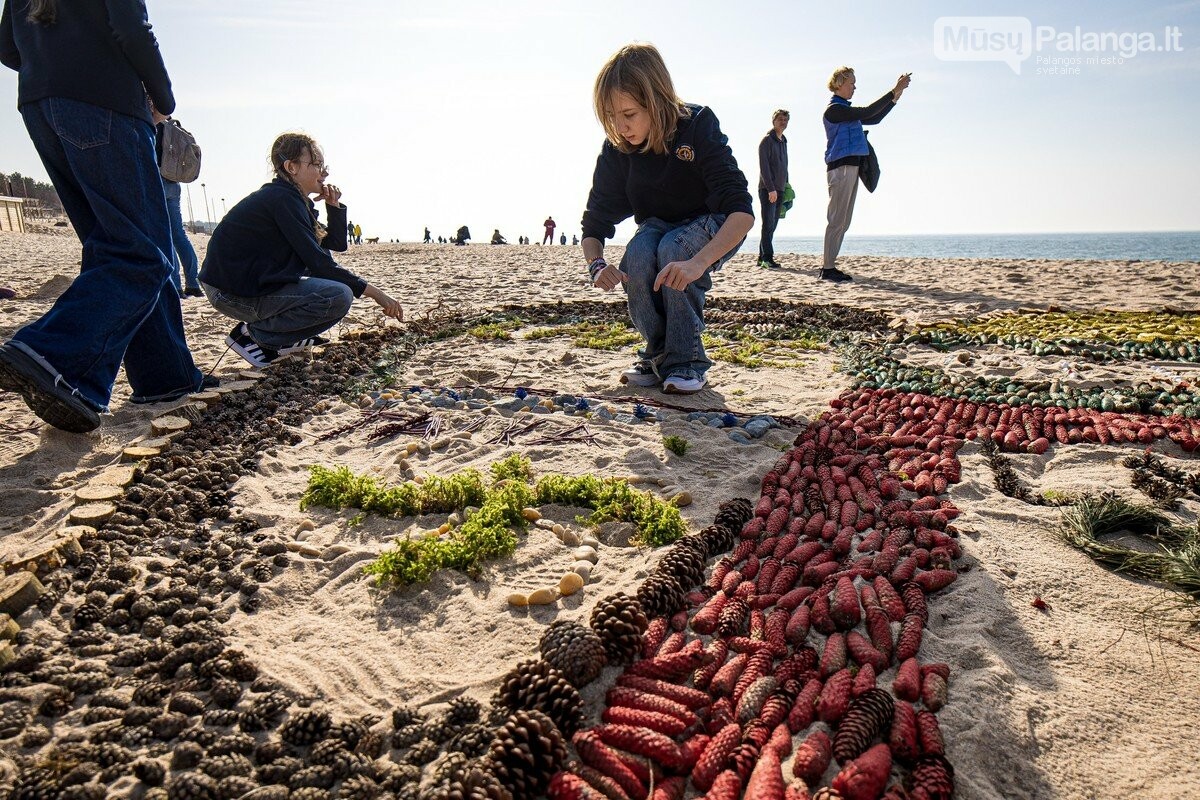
(480, 113)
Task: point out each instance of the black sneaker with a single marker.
(45, 391)
(243, 344)
(835, 275)
(303, 344)
(194, 291)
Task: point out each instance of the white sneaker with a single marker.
(640, 374)
(678, 384)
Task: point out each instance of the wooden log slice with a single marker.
(169, 424)
(18, 592)
(92, 513)
(98, 492)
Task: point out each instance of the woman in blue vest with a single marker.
(846, 145)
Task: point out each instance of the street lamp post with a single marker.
(207, 211)
(224, 209)
(191, 214)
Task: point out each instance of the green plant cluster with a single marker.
(676, 444)
(490, 532)
(614, 500)
(592, 335)
(502, 329)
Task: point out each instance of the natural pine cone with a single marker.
(661, 595)
(470, 782)
(527, 751)
(620, 621)
(235, 786)
(404, 715)
(869, 715)
(350, 732)
(471, 740)
(305, 727)
(332, 753)
(191, 786)
(574, 650)
(358, 787)
(466, 710)
(218, 767)
(225, 692)
(423, 752)
(685, 563)
(932, 778)
(734, 514)
(717, 539)
(537, 686)
(149, 771)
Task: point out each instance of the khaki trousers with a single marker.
(843, 188)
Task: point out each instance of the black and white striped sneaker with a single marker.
(240, 341)
(303, 344)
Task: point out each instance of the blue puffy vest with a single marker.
(843, 138)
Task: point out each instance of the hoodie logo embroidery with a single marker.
(685, 153)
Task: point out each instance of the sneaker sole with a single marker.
(252, 360)
(670, 388)
(20, 374)
(648, 380)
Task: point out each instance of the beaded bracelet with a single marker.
(595, 268)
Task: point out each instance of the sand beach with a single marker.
(227, 629)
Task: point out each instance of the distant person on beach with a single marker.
(562, 240)
(548, 236)
(185, 254)
(269, 264)
(463, 236)
(772, 177)
(846, 147)
(497, 238)
(574, 240)
(428, 239)
(349, 231)
(358, 234)
(89, 73)
(667, 164)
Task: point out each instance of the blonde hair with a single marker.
(639, 71)
(292, 147)
(839, 77)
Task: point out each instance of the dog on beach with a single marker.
(375, 240)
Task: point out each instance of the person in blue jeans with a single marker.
(269, 266)
(85, 72)
(667, 164)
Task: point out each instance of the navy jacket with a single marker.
(697, 176)
(267, 241)
(98, 51)
(772, 163)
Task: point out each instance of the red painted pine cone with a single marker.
(907, 685)
(833, 657)
(690, 698)
(932, 778)
(596, 754)
(835, 697)
(930, 734)
(569, 786)
(909, 640)
(647, 701)
(804, 710)
(934, 690)
(812, 757)
(864, 653)
(715, 756)
(766, 781)
(727, 786)
(903, 737)
(865, 777)
(643, 742)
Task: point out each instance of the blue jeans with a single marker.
(670, 320)
(183, 246)
(288, 315)
(770, 221)
(122, 305)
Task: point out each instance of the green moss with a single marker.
(495, 330)
(593, 335)
(676, 444)
(492, 531)
(514, 468)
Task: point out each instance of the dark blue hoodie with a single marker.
(97, 51)
(267, 241)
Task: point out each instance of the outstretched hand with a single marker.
(678, 274)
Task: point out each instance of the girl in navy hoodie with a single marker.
(269, 264)
(667, 164)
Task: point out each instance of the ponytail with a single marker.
(44, 12)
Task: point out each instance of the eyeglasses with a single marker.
(320, 167)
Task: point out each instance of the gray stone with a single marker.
(628, 419)
(604, 414)
(757, 428)
(480, 393)
(716, 423)
(738, 436)
(442, 402)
